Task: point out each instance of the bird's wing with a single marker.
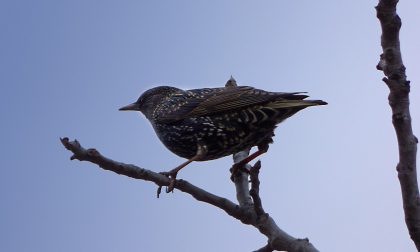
(222, 100)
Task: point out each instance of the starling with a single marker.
(210, 123)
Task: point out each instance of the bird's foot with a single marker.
(236, 168)
(172, 179)
(241, 164)
(263, 147)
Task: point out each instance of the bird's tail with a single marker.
(296, 103)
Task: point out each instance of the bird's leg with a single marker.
(201, 152)
(262, 148)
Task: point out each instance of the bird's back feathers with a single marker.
(210, 101)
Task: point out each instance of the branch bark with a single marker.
(241, 181)
(246, 211)
(392, 65)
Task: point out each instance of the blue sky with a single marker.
(67, 66)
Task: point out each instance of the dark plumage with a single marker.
(222, 121)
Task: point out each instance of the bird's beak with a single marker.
(132, 106)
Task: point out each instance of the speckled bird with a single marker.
(210, 123)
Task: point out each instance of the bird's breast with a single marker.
(223, 135)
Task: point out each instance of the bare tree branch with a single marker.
(93, 156)
(277, 238)
(392, 66)
(255, 189)
(241, 180)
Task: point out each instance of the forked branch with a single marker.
(247, 212)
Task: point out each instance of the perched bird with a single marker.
(210, 123)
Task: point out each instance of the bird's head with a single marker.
(148, 101)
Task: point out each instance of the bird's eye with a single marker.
(140, 101)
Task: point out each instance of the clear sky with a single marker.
(67, 66)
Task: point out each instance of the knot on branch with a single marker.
(93, 152)
(382, 63)
(386, 11)
(404, 169)
(400, 117)
(391, 64)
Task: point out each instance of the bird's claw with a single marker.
(172, 179)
